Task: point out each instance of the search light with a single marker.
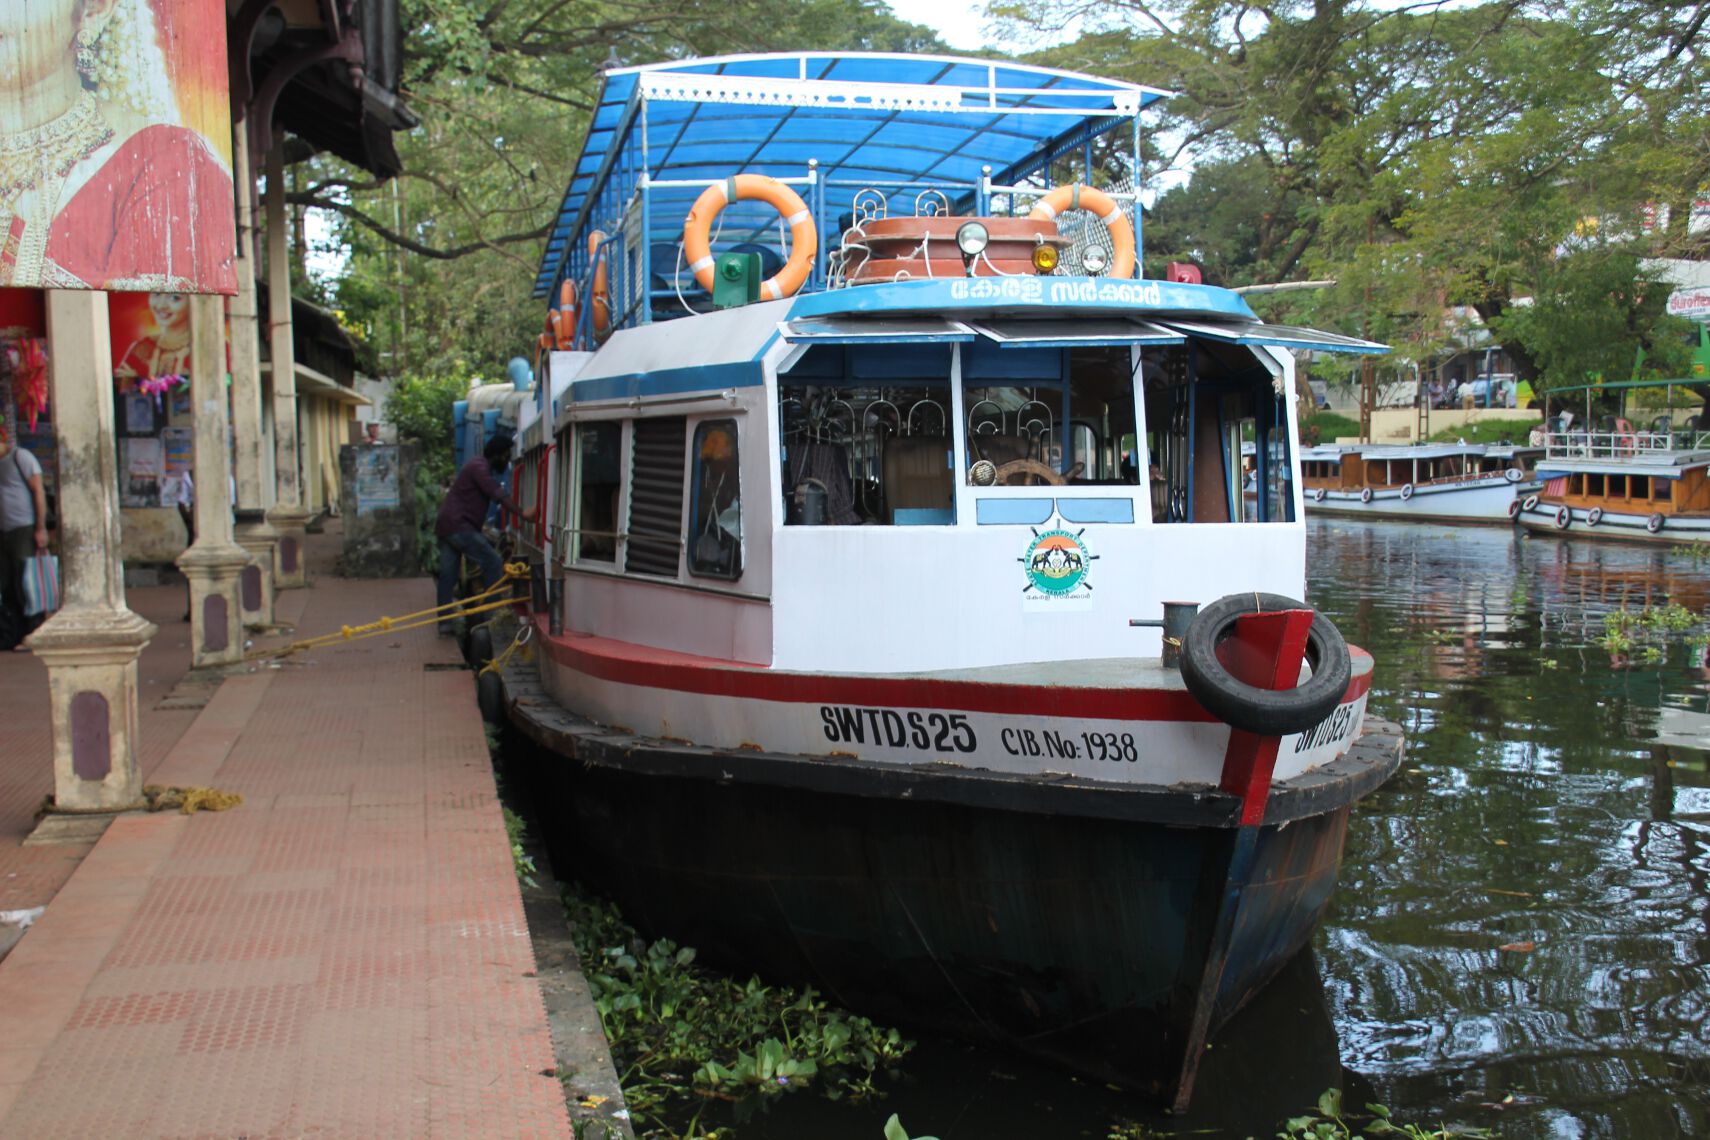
(972, 239)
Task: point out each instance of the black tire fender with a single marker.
(480, 646)
(1594, 516)
(1529, 502)
(490, 697)
(1406, 491)
(1564, 518)
(1514, 509)
(1264, 712)
(1365, 494)
(1513, 474)
(1654, 523)
(1318, 494)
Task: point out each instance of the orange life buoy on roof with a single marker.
(599, 297)
(1078, 197)
(804, 238)
(561, 321)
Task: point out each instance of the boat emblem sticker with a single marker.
(1056, 566)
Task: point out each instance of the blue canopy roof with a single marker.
(865, 118)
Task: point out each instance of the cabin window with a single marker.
(1049, 416)
(1595, 485)
(1576, 484)
(655, 540)
(598, 476)
(1662, 490)
(1639, 487)
(865, 436)
(715, 510)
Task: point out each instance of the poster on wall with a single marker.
(150, 336)
(175, 443)
(139, 414)
(115, 130)
(376, 479)
(143, 466)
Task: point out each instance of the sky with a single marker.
(957, 24)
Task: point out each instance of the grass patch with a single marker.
(1489, 431)
(1326, 427)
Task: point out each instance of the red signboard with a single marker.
(115, 143)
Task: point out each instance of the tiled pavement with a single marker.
(343, 955)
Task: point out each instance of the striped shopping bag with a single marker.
(41, 585)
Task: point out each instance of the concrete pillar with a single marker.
(287, 516)
(253, 532)
(90, 647)
(214, 563)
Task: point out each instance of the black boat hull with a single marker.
(1072, 927)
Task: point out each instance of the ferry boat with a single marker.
(1619, 480)
(871, 497)
(1441, 482)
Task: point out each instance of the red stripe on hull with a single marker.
(624, 663)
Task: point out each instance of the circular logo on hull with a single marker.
(1056, 563)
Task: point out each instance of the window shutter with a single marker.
(656, 497)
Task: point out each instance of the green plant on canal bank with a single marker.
(684, 1037)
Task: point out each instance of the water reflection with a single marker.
(1519, 941)
(1551, 803)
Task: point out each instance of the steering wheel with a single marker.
(1017, 471)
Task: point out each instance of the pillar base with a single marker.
(91, 657)
(67, 829)
(255, 585)
(291, 523)
(216, 616)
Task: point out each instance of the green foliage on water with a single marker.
(895, 1131)
(1331, 1120)
(1646, 633)
(684, 1037)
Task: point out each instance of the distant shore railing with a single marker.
(1622, 444)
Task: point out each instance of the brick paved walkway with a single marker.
(344, 955)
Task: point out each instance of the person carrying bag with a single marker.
(23, 536)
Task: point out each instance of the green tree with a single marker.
(440, 261)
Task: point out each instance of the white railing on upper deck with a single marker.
(1622, 444)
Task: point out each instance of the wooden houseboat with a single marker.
(1440, 482)
(1644, 479)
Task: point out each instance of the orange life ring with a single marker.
(804, 238)
(599, 297)
(1079, 197)
(561, 321)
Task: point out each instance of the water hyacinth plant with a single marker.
(684, 1037)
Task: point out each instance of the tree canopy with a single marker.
(1526, 161)
(438, 264)
(1515, 158)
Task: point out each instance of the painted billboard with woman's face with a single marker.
(115, 143)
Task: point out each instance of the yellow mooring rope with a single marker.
(476, 604)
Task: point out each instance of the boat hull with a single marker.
(1064, 918)
(1486, 501)
(1614, 526)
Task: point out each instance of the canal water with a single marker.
(1519, 941)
